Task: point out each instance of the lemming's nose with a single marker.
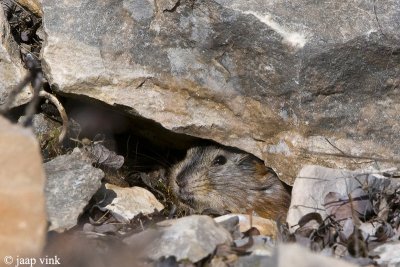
(181, 191)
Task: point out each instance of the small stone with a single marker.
(71, 182)
(266, 227)
(231, 224)
(131, 201)
(189, 238)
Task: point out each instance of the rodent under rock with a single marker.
(223, 180)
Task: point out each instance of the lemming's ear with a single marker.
(271, 177)
(263, 170)
(265, 175)
(252, 162)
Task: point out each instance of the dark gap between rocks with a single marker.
(148, 148)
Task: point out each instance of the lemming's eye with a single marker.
(219, 160)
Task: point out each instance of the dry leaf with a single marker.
(104, 156)
(342, 208)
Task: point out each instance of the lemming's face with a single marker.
(218, 179)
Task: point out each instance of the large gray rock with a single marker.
(71, 183)
(11, 69)
(292, 82)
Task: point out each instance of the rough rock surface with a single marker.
(71, 182)
(11, 69)
(131, 201)
(292, 82)
(23, 216)
(193, 238)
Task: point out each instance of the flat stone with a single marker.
(189, 238)
(131, 201)
(22, 179)
(71, 183)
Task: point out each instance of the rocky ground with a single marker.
(83, 176)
